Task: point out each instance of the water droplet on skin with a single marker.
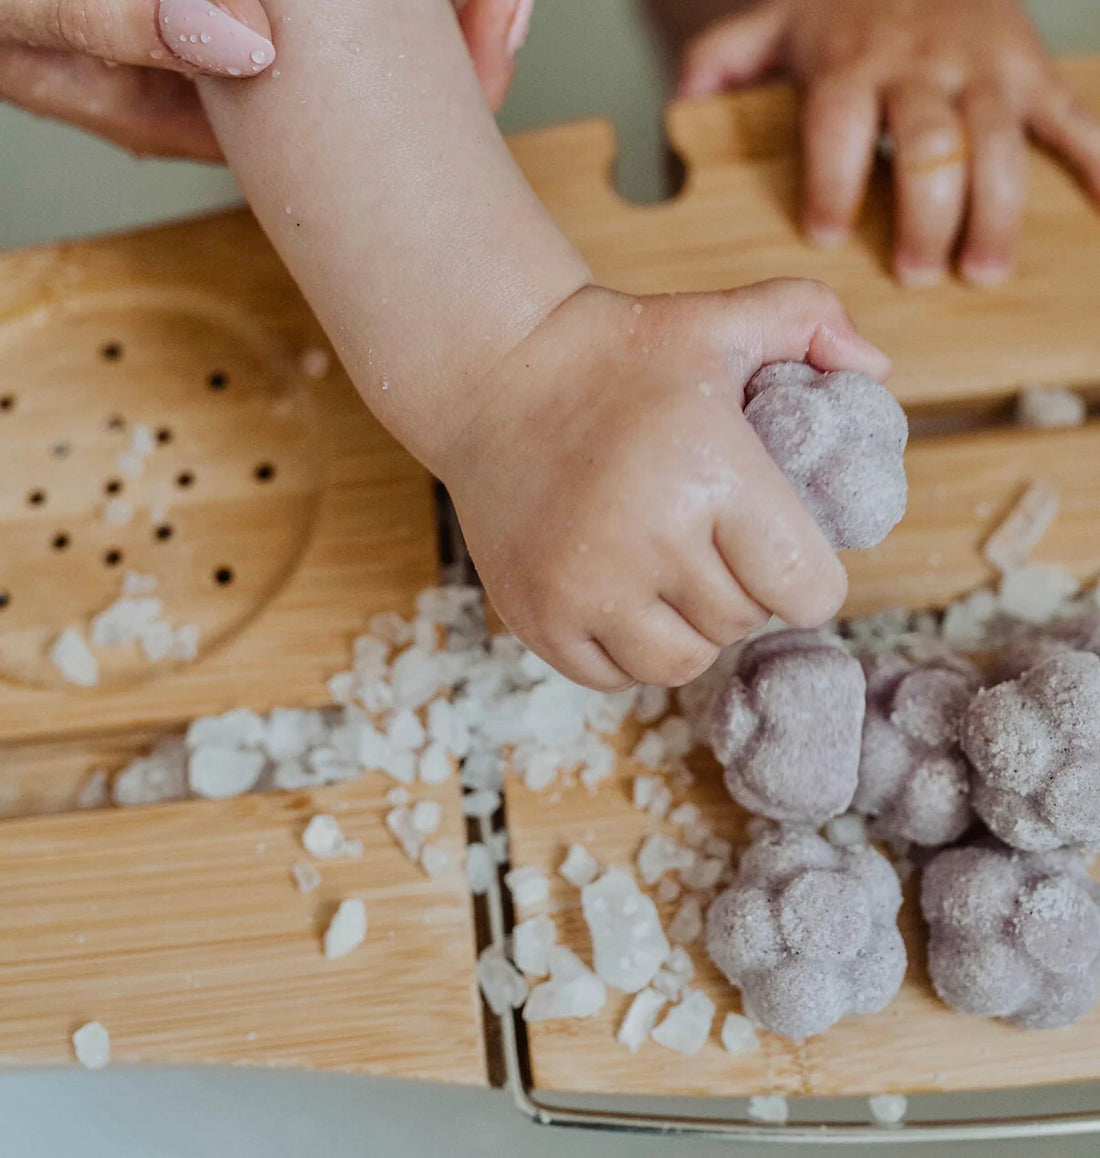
(183, 37)
(205, 37)
(193, 38)
(288, 210)
(156, 54)
(385, 383)
(706, 389)
(275, 72)
(636, 308)
(258, 56)
(233, 71)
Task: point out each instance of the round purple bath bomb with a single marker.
(1013, 935)
(808, 932)
(839, 438)
(1034, 746)
(1079, 632)
(912, 774)
(786, 727)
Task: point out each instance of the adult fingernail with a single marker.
(520, 26)
(919, 276)
(203, 35)
(986, 274)
(827, 236)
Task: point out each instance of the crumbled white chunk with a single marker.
(406, 732)
(95, 792)
(434, 765)
(118, 512)
(157, 640)
(579, 867)
(628, 943)
(695, 835)
(143, 439)
(434, 860)
(219, 771)
(151, 779)
(185, 646)
(668, 890)
(679, 962)
(240, 728)
(643, 790)
(668, 985)
(497, 844)
(652, 703)
(501, 983)
(703, 873)
(291, 732)
(686, 927)
(342, 687)
(400, 823)
(130, 464)
(686, 1027)
(427, 816)
(398, 795)
(1008, 547)
(73, 658)
(1050, 407)
(481, 803)
(125, 620)
(400, 766)
(965, 620)
(92, 1046)
(447, 727)
(479, 869)
(847, 831)
(739, 1035)
(660, 854)
(531, 942)
(640, 1019)
(347, 929)
(391, 628)
(771, 1108)
(288, 775)
(685, 815)
(1036, 594)
(649, 751)
(306, 876)
(719, 847)
(528, 886)
(324, 838)
(134, 583)
(676, 736)
(572, 991)
(888, 1109)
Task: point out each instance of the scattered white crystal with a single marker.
(1008, 547)
(288, 775)
(143, 439)
(390, 628)
(427, 816)
(218, 771)
(324, 839)
(400, 766)
(528, 886)
(130, 464)
(676, 736)
(95, 792)
(1036, 594)
(125, 620)
(434, 860)
(651, 704)
(572, 991)
(1049, 407)
(447, 727)
(696, 835)
(719, 847)
(398, 795)
(660, 854)
(482, 803)
(531, 942)
(847, 831)
(739, 1035)
(965, 621)
(480, 869)
(347, 929)
(649, 751)
(342, 687)
(497, 844)
(151, 779)
(118, 512)
(92, 1045)
(679, 963)
(704, 873)
(668, 985)
(668, 890)
(239, 727)
(686, 1027)
(306, 876)
(644, 787)
(157, 640)
(134, 583)
(685, 815)
(579, 867)
(73, 658)
(291, 732)
(686, 927)
(538, 766)
(400, 823)
(888, 1109)
(501, 983)
(185, 646)
(770, 1108)
(628, 943)
(331, 767)
(640, 1019)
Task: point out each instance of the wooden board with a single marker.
(735, 221)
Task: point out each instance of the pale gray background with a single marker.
(584, 57)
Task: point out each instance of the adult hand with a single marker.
(957, 83)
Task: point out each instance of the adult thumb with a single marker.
(227, 38)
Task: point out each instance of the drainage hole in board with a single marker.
(223, 576)
(164, 435)
(61, 449)
(184, 479)
(36, 498)
(112, 558)
(60, 541)
(217, 380)
(265, 472)
(111, 351)
(7, 402)
(115, 422)
(113, 486)
(164, 532)
(5, 599)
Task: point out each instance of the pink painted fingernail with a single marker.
(205, 36)
(518, 29)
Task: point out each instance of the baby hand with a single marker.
(624, 517)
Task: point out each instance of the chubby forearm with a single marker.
(372, 162)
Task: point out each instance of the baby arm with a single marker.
(623, 516)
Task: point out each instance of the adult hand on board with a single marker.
(958, 86)
(123, 68)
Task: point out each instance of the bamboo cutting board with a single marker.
(959, 354)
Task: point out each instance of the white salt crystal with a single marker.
(598, 760)
(342, 687)
(415, 676)
(718, 846)
(676, 735)
(482, 803)
(291, 732)
(239, 727)
(643, 790)
(479, 869)
(369, 655)
(185, 646)
(117, 512)
(130, 464)
(679, 963)
(628, 943)
(143, 439)
(1050, 407)
(572, 991)
(640, 1019)
(397, 796)
(124, 620)
(686, 1027)
(399, 822)
(649, 751)
(847, 831)
(134, 583)
(579, 867)
(425, 634)
(390, 628)
(74, 660)
(160, 776)
(965, 620)
(483, 770)
(289, 775)
(531, 942)
(324, 839)
(406, 733)
(652, 703)
(434, 860)
(668, 890)
(739, 1035)
(1036, 594)
(528, 886)
(1011, 543)
(668, 985)
(888, 1109)
(695, 835)
(426, 816)
(95, 792)
(218, 771)
(501, 983)
(306, 876)
(157, 640)
(705, 873)
(539, 767)
(92, 1045)
(497, 844)
(660, 801)
(686, 926)
(771, 1108)
(660, 854)
(685, 814)
(400, 766)
(447, 727)
(347, 929)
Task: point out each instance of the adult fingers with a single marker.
(230, 38)
(840, 123)
(495, 30)
(655, 645)
(150, 113)
(733, 51)
(998, 187)
(1060, 121)
(930, 175)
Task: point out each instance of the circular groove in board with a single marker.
(130, 441)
